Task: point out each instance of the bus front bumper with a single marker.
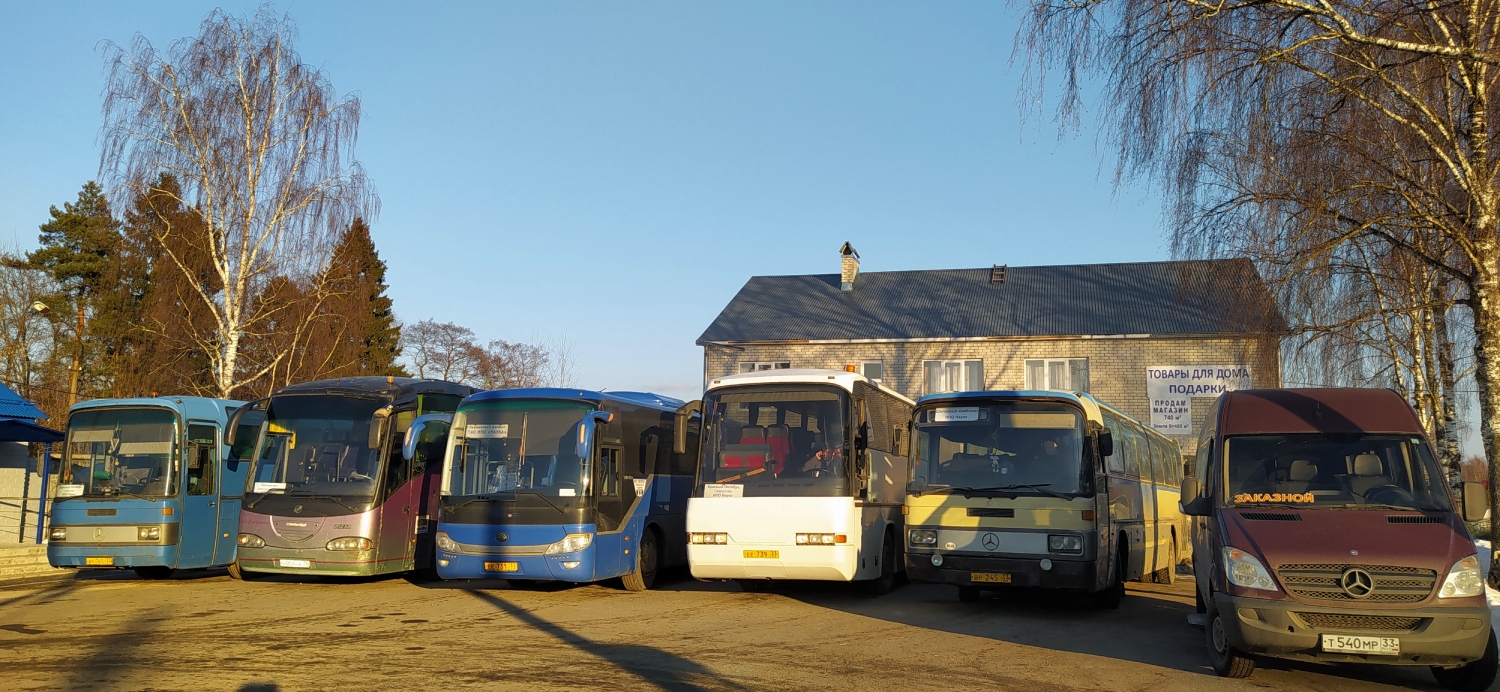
(1442, 636)
(982, 571)
(315, 561)
(575, 567)
(118, 556)
(780, 561)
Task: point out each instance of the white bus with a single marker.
(803, 474)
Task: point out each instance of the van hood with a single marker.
(1287, 536)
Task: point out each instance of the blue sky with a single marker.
(612, 173)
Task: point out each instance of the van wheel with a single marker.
(1112, 595)
(644, 576)
(969, 594)
(1473, 677)
(1227, 661)
(886, 582)
(155, 572)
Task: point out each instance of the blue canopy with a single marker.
(13, 407)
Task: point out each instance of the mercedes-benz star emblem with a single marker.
(990, 541)
(98, 534)
(502, 537)
(1357, 582)
(297, 509)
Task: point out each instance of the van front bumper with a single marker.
(1071, 575)
(1442, 636)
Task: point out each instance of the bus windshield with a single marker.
(1025, 447)
(120, 451)
(1334, 471)
(776, 441)
(317, 445)
(517, 445)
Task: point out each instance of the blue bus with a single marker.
(562, 485)
(147, 484)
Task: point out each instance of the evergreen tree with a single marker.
(358, 271)
(77, 248)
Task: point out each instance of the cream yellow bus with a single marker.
(1040, 489)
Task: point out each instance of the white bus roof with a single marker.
(841, 378)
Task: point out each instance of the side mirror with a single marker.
(1476, 501)
(680, 428)
(236, 419)
(1192, 502)
(414, 432)
(377, 428)
(1106, 443)
(586, 432)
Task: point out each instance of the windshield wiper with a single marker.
(472, 500)
(544, 498)
(967, 491)
(334, 498)
(1039, 487)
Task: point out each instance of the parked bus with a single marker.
(564, 485)
(329, 491)
(1042, 489)
(147, 484)
(803, 476)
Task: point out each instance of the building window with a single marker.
(1058, 374)
(953, 375)
(873, 370)
(758, 366)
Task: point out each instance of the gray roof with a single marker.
(1178, 297)
(13, 407)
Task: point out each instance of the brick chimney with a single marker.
(850, 267)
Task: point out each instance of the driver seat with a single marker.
(1366, 472)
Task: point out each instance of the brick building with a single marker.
(1198, 326)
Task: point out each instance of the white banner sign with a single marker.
(1172, 388)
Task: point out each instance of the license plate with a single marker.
(294, 563)
(502, 566)
(99, 561)
(990, 577)
(1343, 643)
(763, 554)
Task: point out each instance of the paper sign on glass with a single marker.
(69, 490)
(723, 490)
(268, 487)
(486, 431)
(955, 415)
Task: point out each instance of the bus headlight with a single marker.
(1463, 579)
(250, 540)
(148, 533)
(444, 543)
(350, 543)
(1245, 570)
(922, 537)
(708, 538)
(821, 538)
(572, 542)
(59, 533)
(1065, 543)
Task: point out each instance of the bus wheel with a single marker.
(1227, 661)
(755, 585)
(1112, 595)
(886, 582)
(1475, 676)
(1168, 574)
(240, 573)
(969, 594)
(156, 572)
(644, 576)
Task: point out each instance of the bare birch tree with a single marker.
(1295, 127)
(263, 150)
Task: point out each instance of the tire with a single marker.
(969, 594)
(154, 573)
(1473, 677)
(1168, 574)
(886, 582)
(1227, 661)
(242, 574)
(1112, 595)
(647, 560)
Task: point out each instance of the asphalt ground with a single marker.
(205, 631)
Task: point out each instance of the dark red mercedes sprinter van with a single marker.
(1324, 530)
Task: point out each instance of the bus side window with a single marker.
(203, 459)
(1132, 450)
(1158, 461)
(1116, 461)
(609, 471)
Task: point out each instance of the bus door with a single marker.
(610, 544)
(1143, 538)
(235, 466)
(199, 527)
(396, 543)
(426, 474)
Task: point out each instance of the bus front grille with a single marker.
(1391, 584)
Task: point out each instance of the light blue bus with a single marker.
(548, 484)
(147, 484)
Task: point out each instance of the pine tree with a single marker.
(371, 336)
(77, 248)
